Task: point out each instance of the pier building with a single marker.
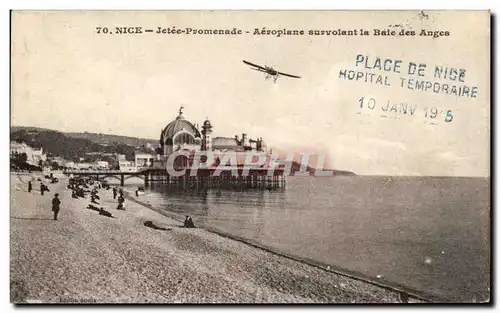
(180, 141)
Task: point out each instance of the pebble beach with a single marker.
(85, 257)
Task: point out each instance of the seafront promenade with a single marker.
(87, 257)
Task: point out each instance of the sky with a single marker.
(67, 77)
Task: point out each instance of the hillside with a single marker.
(94, 137)
(110, 139)
(72, 147)
(28, 128)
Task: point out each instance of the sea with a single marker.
(430, 235)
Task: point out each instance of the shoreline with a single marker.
(128, 194)
(96, 259)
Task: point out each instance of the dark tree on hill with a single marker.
(57, 144)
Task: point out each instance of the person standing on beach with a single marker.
(42, 188)
(114, 192)
(55, 205)
(30, 186)
(121, 201)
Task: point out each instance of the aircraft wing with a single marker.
(254, 65)
(284, 74)
(258, 70)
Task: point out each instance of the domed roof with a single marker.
(178, 125)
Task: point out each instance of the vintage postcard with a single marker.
(250, 157)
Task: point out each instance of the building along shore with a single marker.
(87, 257)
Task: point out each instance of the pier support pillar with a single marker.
(122, 180)
(146, 179)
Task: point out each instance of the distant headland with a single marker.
(296, 168)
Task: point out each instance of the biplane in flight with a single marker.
(269, 71)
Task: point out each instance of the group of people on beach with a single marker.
(80, 186)
(83, 185)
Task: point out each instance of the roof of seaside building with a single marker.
(226, 143)
(178, 125)
(232, 144)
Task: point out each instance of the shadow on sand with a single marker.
(170, 226)
(32, 218)
(150, 224)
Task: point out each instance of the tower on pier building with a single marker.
(206, 133)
